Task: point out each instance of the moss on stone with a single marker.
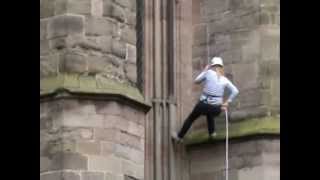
(89, 84)
(256, 126)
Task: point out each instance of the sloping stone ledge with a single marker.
(245, 128)
(90, 87)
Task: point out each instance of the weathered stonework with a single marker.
(254, 159)
(82, 136)
(246, 35)
(87, 35)
(87, 47)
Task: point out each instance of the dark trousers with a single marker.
(201, 108)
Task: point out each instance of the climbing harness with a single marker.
(227, 145)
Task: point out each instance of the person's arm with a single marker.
(201, 76)
(234, 92)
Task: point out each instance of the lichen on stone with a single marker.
(89, 84)
(246, 127)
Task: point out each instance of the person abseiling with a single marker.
(211, 100)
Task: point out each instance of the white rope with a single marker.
(227, 145)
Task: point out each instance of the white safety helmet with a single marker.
(216, 61)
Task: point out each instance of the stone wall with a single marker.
(90, 140)
(246, 34)
(89, 47)
(88, 37)
(248, 160)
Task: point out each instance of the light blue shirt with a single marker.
(215, 86)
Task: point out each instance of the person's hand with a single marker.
(207, 67)
(224, 106)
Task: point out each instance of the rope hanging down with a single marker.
(227, 145)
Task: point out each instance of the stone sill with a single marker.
(244, 128)
(71, 85)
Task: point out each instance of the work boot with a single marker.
(176, 138)
(212, 135)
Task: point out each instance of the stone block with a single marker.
(74, 161)
(245, 75)
(109, 176)
(275, 92)
(131, 4)
(76, 134)
(46, 122)
(60, 175)
(107, 148)
(132, 169)
(270, 146)
(131, 53)
(130, 154)
(199, 51)
(272, 172)
(250, 98)
(51, 176)
(116, 122)
(215, 7)
(79, 7)
(82, 120)
(128, 35)
(97, 26)
(200, 35)
(251, 160)
(117, 12)
(44, 47)
(73, 62)
(131, 19)
(271, 159)
(43, 29)
(131, 72)
(47, 8)
(101, 163)
(49, 65)
(105, 43)
(70, 176)
(77, 40)
(232, 23)
(251, 48)
(108, 108)
(98, 64)
(251, 173)
(92, 175)
(132, 114)
(118, 48)
(61, 7)
(79, 106)
(131, 141)
(232, 56)
(249, 112)
(265, 18)
(58, 43)
(97, 8)
(64, 25)
(45, 164)
(270, 69)
(88, 147)
(136, 129)
(247, 5)
(69, 160)
(270, 45)
(111, 135)
(107, 7)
